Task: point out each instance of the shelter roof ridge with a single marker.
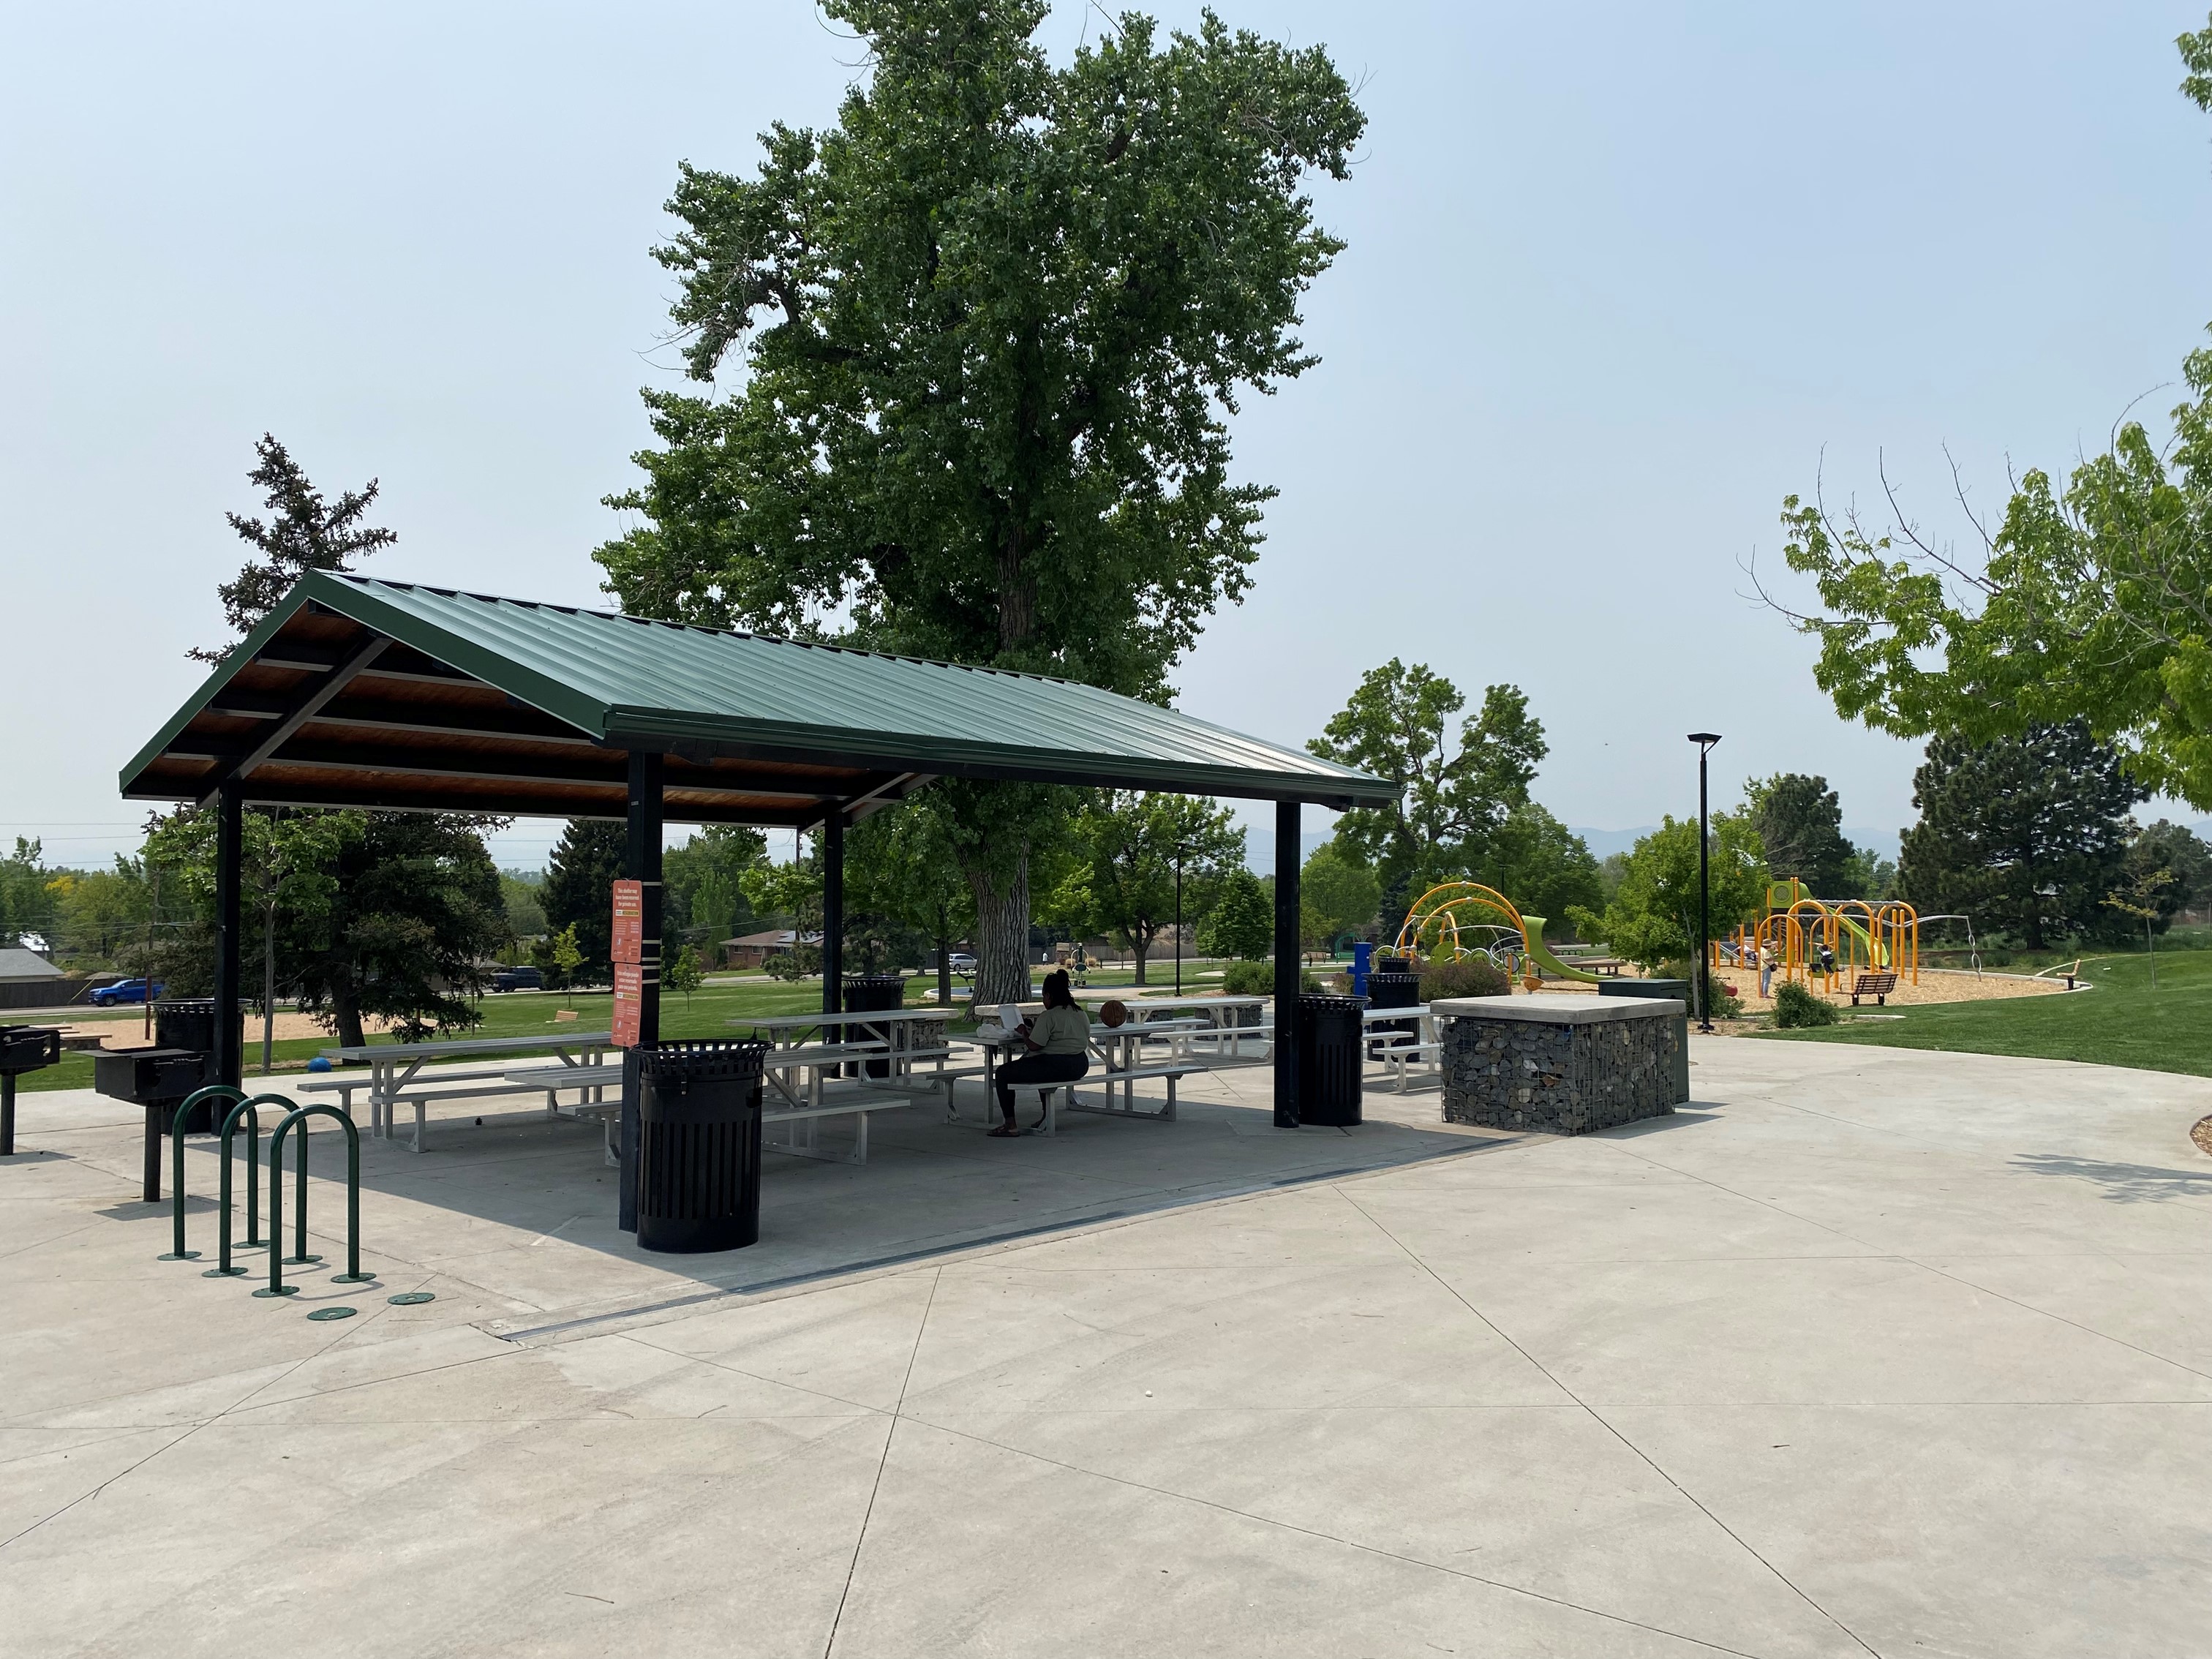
(722, 633)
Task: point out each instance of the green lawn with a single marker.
(2121, 1022)
(706, 1013)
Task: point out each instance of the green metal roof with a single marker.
(357, 691)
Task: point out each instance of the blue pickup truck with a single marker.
(123, 991)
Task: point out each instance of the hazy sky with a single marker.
(1619, 274)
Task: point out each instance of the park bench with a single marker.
(419, 1092)
(1399, 1050)
(1877, 985)
(1047, 1094)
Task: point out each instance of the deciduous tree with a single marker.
(2089, 601)
(986, 330)
(1341, 889)
(1653, 915)
(1454, 788)
(1130, 839)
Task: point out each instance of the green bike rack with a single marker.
(253, 1240)
(177, 1251)
(353, 1274)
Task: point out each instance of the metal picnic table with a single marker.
(393, 1066)
(800, 1104)
(1120, 1048)
(902, 1030)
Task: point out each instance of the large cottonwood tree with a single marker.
(985, 332)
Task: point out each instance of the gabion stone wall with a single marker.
(1558, 1078)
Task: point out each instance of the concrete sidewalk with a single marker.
(1871, 1351)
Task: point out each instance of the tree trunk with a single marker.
(944, 961)
(1002, 935)
(1142, 947)
(347, 1012)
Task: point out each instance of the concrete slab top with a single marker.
(1558, 1008)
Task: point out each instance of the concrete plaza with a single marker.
(1867, 1350)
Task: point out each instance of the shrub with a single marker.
(1257, 979)
(1248, 979)
(1469, 977)
(1795, 1007)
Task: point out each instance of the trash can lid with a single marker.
(702, 1057)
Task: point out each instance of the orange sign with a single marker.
(629, 1001)
(629, 921)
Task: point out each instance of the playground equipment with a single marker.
(1826, 939)
(1446, 925)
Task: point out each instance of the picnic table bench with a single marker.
(804, 1106)
(1877, 984)
(396, 1076)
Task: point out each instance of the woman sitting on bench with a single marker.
(1058, 1049)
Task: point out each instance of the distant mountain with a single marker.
(1260, 847)
(1604, 843)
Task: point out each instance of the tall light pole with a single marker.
(1704, 982)
(1182, 848)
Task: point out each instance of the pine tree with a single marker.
(301, 534)
(579, 888)
(2025, 834)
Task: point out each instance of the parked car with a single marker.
(962, 964)
(518, 979)
(125, 990)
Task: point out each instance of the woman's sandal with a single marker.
(1004, 1132)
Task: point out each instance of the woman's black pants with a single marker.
(1036, 1068)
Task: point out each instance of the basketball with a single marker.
(1113, 1012)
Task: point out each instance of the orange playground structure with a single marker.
(1825, 939)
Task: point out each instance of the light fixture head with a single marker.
(1706, 739)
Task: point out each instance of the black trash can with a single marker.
(189, 1023)
(699, 1144)
(868, 995)
(1329, 1059)
(1391, 983)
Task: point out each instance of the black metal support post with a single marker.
(1702, 977)
(641, 863)
(229, 835)
(833, 911)
(1286, 965)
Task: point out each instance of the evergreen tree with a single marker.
(578, 891)
(2026, 834)
(1800, 821)
(302, 533)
